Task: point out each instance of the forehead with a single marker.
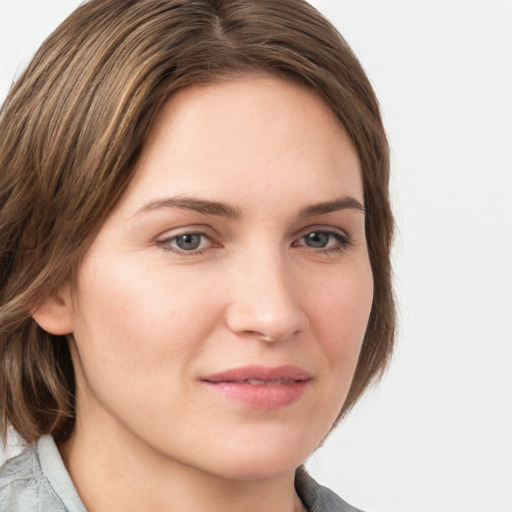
(247, 136)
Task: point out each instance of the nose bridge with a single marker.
(264, 298)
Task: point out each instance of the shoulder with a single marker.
(318, 498)
(24, 488)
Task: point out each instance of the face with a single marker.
(220, 311)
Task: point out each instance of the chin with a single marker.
(263, 459)
(254, 469)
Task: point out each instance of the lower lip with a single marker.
(261, 397)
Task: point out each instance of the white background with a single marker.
(436, 434)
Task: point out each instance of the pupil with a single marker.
(317, 240)
(188, 242)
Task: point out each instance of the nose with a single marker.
(266, 302)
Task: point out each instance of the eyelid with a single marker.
(321, 228)
(200, 229)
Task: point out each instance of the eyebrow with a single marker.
(225, 210)
(197, 205)
(342, 203)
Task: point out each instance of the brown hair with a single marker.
(73, 126)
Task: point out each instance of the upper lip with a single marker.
(262, 373)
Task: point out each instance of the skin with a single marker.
(150, 320)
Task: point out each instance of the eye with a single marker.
(324, 239)
(317, 239)
(190, 242)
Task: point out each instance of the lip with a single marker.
(260, 387)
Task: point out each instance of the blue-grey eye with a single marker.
(317, 239)
(188, 241)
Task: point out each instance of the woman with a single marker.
(195, 243)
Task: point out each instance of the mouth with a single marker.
(258, 382)
(260, 387)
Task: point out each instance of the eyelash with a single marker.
(165, 243)
(343, 242)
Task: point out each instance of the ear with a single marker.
(55, 315)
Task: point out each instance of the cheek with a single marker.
(338, 320)
(343, 313)
(136, 323)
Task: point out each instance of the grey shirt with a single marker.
(37, 481)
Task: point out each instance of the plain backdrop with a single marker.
(436, 434)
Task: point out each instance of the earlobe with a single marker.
(55, 315)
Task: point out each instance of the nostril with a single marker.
(261, 336)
